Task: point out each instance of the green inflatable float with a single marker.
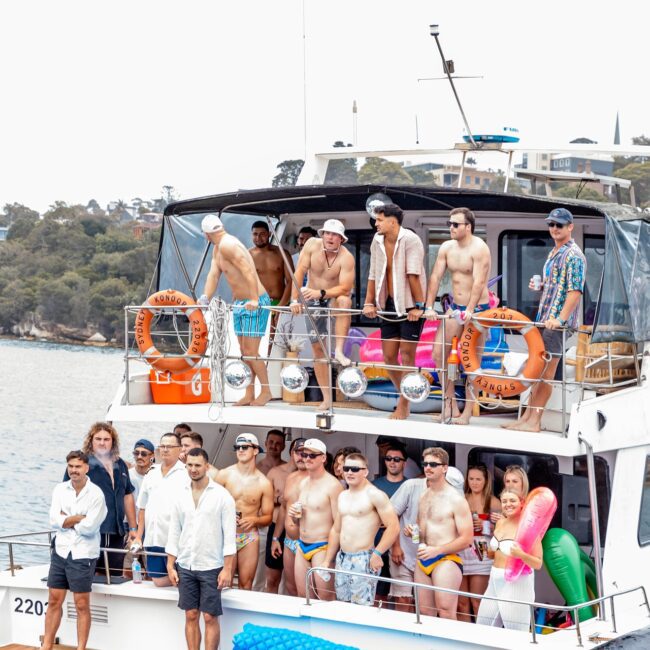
(571, 569)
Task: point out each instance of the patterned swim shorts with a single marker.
(354, 589)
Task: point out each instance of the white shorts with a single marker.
(400, 572)
(472, 566)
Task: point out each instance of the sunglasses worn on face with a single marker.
(142, 454)
(552, 224)
(352, 468)
(394, 459)
(306, 454)
(241, 447)
(431, 463)
(455, 224)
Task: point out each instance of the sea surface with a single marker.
(50, 394)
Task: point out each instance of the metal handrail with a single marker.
(573, 609)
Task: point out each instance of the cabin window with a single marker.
(359, 245)
(594, 249)
(603, 488)
(644, 514)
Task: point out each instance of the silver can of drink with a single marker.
(486, 527)
(537, 282)
(298, 506)
(415, 534)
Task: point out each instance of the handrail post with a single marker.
(645, 598)
(442, 373)
(11, 559)
(611, 604)
(576, 619)
(126, 357)
(416, 601)
(307, 599)
(564, 431)
(533, 624)
(107, 567)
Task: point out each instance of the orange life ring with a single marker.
(198, 344)
(502, 384)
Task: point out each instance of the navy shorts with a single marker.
(198, 590)
(156, 566)
(405, 330)
(553, 341)
(75, 575)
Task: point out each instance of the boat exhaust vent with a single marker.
(98, 613)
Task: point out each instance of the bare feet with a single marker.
(341, 358)
(264, 397)
(447, 414)
(244, 401)
(514, 425)
(324, 406)
(527, 426)
(402, 410)
(463, 419)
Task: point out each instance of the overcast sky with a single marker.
(116, 100)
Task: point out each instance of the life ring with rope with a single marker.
(198, 328)
(502, 385)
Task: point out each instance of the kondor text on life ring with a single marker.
(502, 384)
(199, 332)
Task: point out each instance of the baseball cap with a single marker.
(296, 444)
(335, 226)
(211, 223)
(146, 444)
(560, 215)
(455, 478)
(316, 445)
(250, 438)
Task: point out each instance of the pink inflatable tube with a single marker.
(535, 519)
(370, 349)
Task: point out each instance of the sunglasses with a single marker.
(431, 463)
(306, 454)
(394, 459)
(242, 447)
(455, 224)
(552, 224)
(143, 454)
(352, 468)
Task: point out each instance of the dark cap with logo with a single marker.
(144, 443)
(560, 215)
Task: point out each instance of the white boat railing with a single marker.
(572, 609)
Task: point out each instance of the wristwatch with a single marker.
(419, 305)
(562, 321)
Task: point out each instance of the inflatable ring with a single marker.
(198, 344)
(499, 384)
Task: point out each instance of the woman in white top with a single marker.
(502, 544)
(476, 563)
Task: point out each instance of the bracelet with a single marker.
(275, 539)
(369, 304)
(376, 552)
(132, 529)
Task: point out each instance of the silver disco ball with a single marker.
(294, 378)
(375, 201)
(415, 387)
(237, 374)
(352, 382)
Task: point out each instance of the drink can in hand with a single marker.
(415, 534)
(298, 506)
(537, 282)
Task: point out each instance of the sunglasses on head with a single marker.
(242, 447)
(455, 224)
(553, 224)
(352, 468)
(431, 463)
(144, 454)
(306, 454)
(394, 459)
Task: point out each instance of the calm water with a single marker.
(50, 395)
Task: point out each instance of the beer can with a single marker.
(298, 506)
(486, 527)
(415, 534)
(537, 282)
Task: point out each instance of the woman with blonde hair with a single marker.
(515, 478)
(476, 563)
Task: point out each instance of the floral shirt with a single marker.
(564, 271)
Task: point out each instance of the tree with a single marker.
(62, 212)
(639, 174)
(288, 174)
(21, 227)
(499, 181)
(623, 161)
(422, 177)
(586, 193)
(377, 171)
(14, 211)
(341, 172)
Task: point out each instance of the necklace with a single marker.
(329, 266)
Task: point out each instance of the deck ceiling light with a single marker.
(324, 421)
(376, 200)
(415, 387)
(237, 374)
(294, 378)
(352, 382)
(434, 30)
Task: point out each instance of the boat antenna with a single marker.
(417, 130)
(448, 67)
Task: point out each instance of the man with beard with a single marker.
(330, 269)
(201, 550)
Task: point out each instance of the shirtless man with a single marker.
(396, 283)
(231, 258)
(253, 495)
(270, 267)
(446, 528)
(193, 440)
(329, 267)
(362, 508)
(315, 511)
(285, 525)
(274, 447)
(467, 258)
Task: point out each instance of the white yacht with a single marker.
(593, 451)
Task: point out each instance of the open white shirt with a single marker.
(406, 501)
(156, 498)
(82, 540)
(200, 535)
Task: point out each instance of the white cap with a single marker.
(249, 438)
(211, 223)
(455, 478)
(335, 226)
(316, 445)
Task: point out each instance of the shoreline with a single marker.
(60, 340)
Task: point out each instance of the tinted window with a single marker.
(603, 487)
(359, 245)
(644, 516)
(595, 255)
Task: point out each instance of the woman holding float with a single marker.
(485, 509)
(504, 547)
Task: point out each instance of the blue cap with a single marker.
(560, 215)
(146, 444)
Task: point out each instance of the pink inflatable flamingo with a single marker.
(535, 519)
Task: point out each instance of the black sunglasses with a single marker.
(552, 224)
(242, 447)
(431, 463)
(352, 468)
(394, 459)
(455, 224)
(306, 454)
(144, 454)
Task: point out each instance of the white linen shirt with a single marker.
(82, 540)
(406, 501)
(200, 536)
(157, 496)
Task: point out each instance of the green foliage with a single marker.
(639, 174)
(288, 174)
(341, 172)
(586, 194)
(379, 170)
